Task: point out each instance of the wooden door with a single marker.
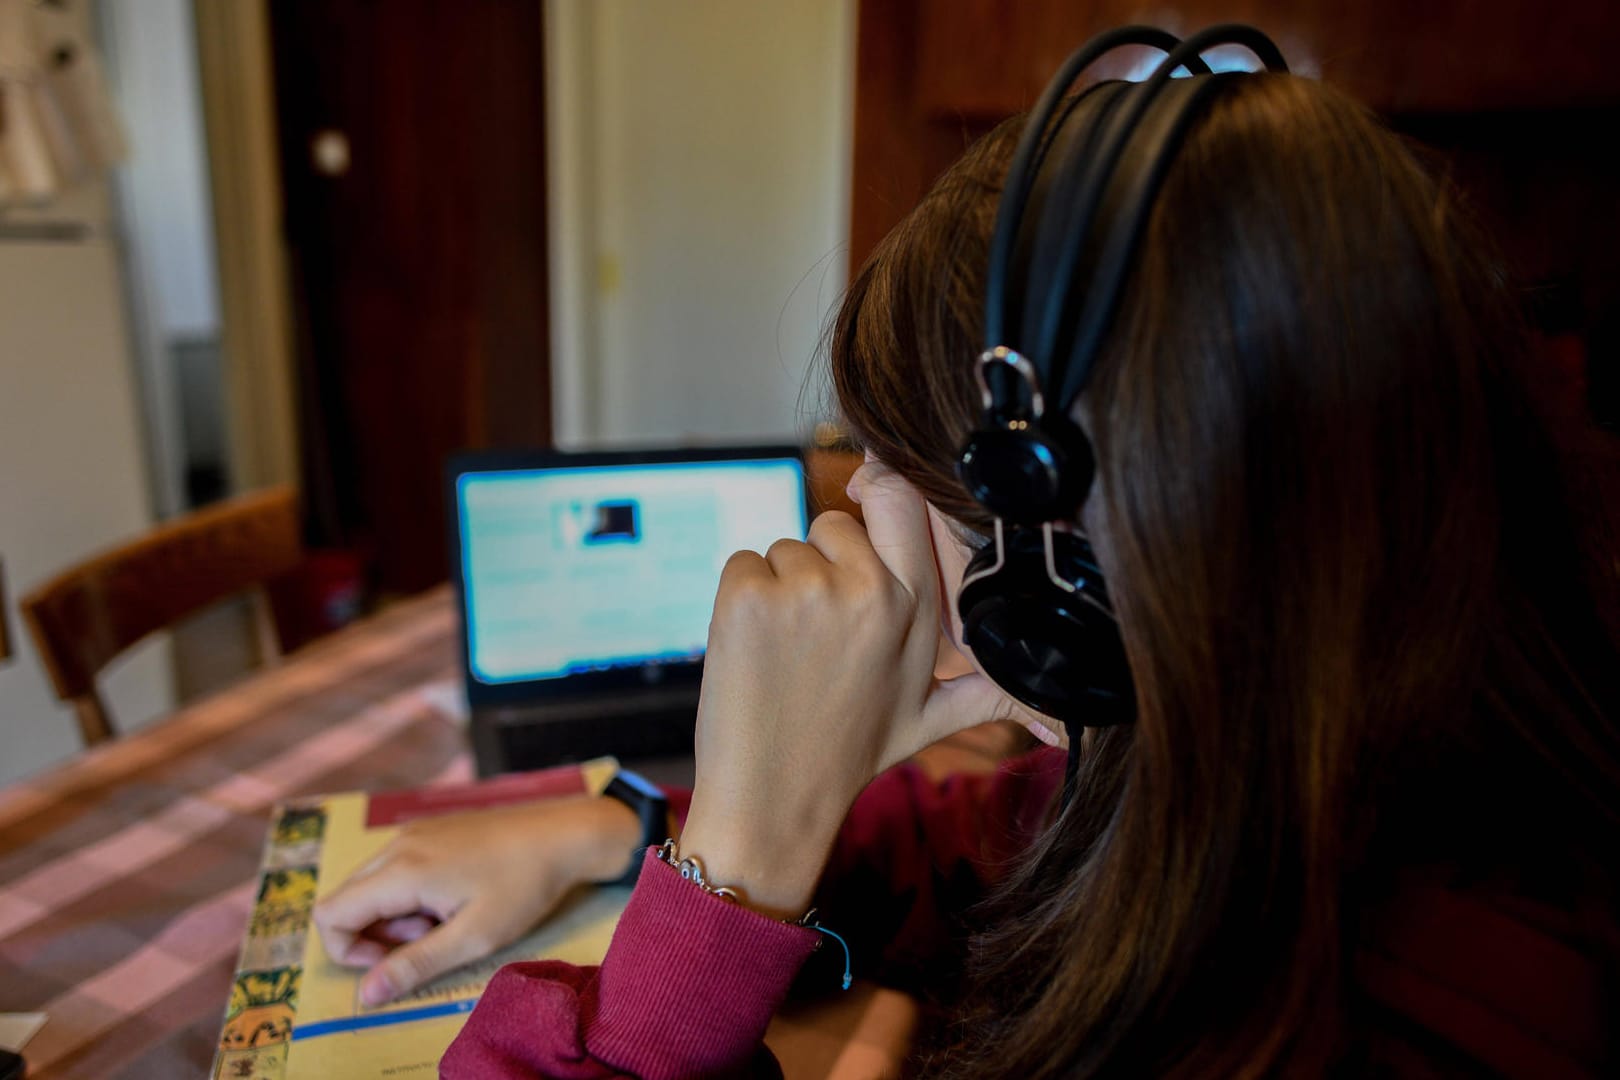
(412, 144)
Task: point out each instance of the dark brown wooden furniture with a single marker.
(828, 471)
(87, 615)
(930, 78)
(1512, 95)
(5, 621)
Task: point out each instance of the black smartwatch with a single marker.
(650, 807)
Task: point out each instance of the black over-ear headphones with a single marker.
(1034, 607)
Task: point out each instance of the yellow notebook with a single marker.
(294, 1015)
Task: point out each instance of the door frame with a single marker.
(234, 72)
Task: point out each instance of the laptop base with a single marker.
(654, 724)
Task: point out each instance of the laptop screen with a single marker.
(577, 569)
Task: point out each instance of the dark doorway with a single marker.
(413, 149)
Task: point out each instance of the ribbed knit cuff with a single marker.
(691, 981)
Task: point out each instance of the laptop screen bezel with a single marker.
(644, 676)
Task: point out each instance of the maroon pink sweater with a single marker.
(690, 982)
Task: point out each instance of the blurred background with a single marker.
(326, 243)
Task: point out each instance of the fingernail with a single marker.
(375, 989)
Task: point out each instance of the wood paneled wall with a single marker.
(1518, 98)
(933, 76)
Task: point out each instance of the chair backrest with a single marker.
(87, 615)
(5, 620)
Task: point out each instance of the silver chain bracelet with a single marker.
(691, 869)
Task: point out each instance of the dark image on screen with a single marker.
(616, 522)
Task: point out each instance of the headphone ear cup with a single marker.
(1026, 476)
(1056, 651)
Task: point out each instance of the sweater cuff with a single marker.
(691, 981)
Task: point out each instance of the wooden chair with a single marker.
(5, 620)
(828, 471)
(87, 615)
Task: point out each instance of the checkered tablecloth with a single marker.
(127, 875)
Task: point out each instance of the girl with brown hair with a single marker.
(1367, 815)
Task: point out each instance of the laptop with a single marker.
(585, 582)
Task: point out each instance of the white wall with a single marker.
(71, 472)
(152, 73)
(699, 163)
(162, 191)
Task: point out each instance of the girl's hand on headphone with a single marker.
(819, 675)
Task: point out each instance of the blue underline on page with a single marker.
(385, 1019)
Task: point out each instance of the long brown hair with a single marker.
(1364, 609)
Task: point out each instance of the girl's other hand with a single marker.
(820, 674)
(453, 889)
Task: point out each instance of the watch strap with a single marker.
(651, 807)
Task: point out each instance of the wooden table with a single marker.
(126, 876)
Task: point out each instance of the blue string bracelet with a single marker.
(849, 975)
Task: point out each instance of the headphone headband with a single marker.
(1034, 606)
(1045, 308)
(1030, 152)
